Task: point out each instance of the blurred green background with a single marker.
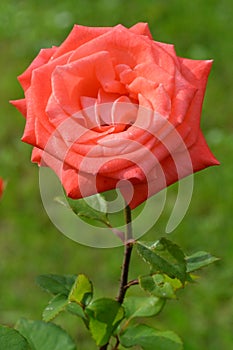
(31, 245)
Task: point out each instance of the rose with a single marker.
(112, 104)
(1, 187)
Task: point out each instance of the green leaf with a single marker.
(165, 257)
(150, 339)
(55, 306)
(75, 309)
(104, 317)
(142, 306)
(45, 336)
(82, 291)
(199, 260)
(160, 286)
(93, 207)
(10, 339)
(56, 284)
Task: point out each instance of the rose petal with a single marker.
(21, 105)
(141, 85)
(89, 110)
(196, 71)
(123, 111)
(83, 78)
(182, 99)
(165, 57)
(1, 187)
(56, 114)
(78, 36)
(201, 155)
(36, 155)
(141, 28)
(125, 73)
(37, 99)
(123, 46)
(157, 75)
(166, 62)
(42, 58)
(160, 101)
(78, 185)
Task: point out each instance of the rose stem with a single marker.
(127, 255)
(125, 267)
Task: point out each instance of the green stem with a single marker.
(125, 267)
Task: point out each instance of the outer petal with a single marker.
(21, 105)
(201, 155)
(42, 58)
(78, 36)
(174, 169)
(165, 57)
(37, 155)
(170, 51)
(142, 29)
(197, 73)
(78, 185)
(75, 183)
(38, 125)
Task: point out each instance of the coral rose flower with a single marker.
(111, 107)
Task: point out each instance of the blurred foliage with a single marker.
(30, 245)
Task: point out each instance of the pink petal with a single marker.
(21, 105)
(36, 155)
(78, 185)
(167, 50)
(83, 78)
(37, 98)
(160, 101)
(152, 72)
(182, 99)
(142, 29)
(201, 155)
(55, 112)
(42, 58)
(78, 36)
(165, 57)
(123, 46)
(196, 71)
